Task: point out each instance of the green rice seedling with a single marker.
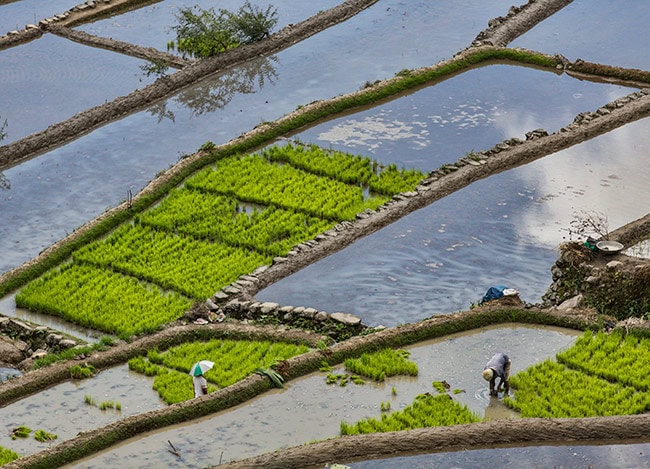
(615, 357)
(142, 365)
(325, 367)
(88, 296)
(89, 400)
(426, 411)
(105, 405)
(385, 406)
(458, 391)
(82, 371)
(441, 386)
(357, 380)
(379, 365)
(20, 432)
(550, 389)
(6, 456)
(234, 359)
(333, 378)
(43, 436)
(394, 391)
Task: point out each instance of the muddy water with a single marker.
(53, 194)
(308, 409)
(596, 31)
(62, 409)
(17, 14)
(633, 455)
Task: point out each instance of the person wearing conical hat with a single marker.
(498, 367)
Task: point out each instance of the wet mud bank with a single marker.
(146, 53)
(497, 433)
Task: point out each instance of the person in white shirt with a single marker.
(200, 385)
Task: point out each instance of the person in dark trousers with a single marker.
(498, 367)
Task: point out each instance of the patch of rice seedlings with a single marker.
(43, 436)
(6, 456)
(379, 365)
(20, 432)
(426, 411)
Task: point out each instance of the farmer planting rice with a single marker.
(498, 367)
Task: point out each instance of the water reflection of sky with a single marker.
(502, 230)
(55, 193)
(50, 79)
(574, 455)
(439, 259)
(599, 31)
(469, 112)
(17, 14)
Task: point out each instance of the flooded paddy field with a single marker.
(15, 15)
(595, 31)
(55, 193)
(606, 456)
(63, 409)
(445, 256)
(151, 25)
(316, 409)
(86, 77)
(502, 229)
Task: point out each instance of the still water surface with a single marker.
(598, 31)
(17, 14)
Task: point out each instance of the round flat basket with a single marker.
(609, 247)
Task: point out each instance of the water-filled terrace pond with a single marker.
(14, 15)
(596, 31)
(53, 194)
(52, 78)
(501, 230)
(316, 409)
(611, 456)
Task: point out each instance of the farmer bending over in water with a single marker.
(498, 366)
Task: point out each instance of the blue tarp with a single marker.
(494, 292)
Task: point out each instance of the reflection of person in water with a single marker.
(498, 367)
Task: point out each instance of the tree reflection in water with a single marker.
(215, 92)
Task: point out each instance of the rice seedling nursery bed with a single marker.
(234, 360)
(148, 271)
(600, 375)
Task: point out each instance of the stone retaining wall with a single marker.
(29, 341)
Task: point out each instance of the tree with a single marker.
(203, 33)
